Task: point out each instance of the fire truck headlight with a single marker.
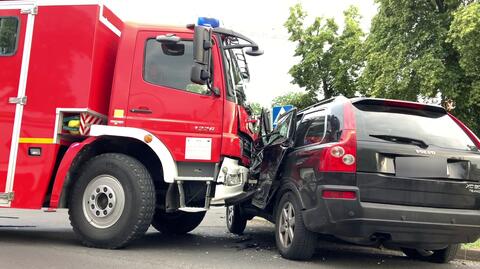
(233, 179)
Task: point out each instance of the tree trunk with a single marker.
(326, 89)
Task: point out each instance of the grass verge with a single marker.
(475, 245)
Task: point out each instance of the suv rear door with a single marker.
(413, 154)
(271, 156)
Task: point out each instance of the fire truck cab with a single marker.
(126, 125)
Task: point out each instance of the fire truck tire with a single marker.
(236, 222)
(112, 202)
(177, 222)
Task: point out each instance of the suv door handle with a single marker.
(141, 110)
(304, 154)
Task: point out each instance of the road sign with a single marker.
(277, 111)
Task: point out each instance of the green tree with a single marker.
(409, 57)
(464, 34)
(256, 108)
(299, 100)
(330, 61)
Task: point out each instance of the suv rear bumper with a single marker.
(367, 223)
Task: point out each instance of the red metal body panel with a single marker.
(71, 66)
(243, 119)
(63, 168)
(230, 138)
(122, 74)
(112, 18)
(9, 79)
(176, 114)
(33, 175)
(72, 60)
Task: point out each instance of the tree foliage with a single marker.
(299, 100)
(330, 61)
(410, 56)
(255, 108)
(416, 50)
(464, 34)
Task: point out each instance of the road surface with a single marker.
(34, 239)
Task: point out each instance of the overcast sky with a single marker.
(260, 20)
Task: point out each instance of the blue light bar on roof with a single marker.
(211, 22)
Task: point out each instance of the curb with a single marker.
(469, 254)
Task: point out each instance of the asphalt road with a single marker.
(34, 239)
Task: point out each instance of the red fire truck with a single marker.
(102, 117)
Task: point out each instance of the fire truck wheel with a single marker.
(112, 202)
(177, 222)
(236, 222)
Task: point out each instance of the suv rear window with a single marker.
(433, 128)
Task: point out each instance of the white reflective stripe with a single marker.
(22, 86)
(168, 164)
(109, 25)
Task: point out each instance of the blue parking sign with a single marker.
(277, 111)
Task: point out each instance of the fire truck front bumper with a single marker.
(230, 181)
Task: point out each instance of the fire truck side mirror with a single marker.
(202, 47)
(254, 51)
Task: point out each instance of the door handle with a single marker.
(141, 110)
(304, 154)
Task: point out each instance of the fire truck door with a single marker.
(16, 29)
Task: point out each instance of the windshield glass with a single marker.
(435, 129)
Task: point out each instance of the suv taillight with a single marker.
(342, 156)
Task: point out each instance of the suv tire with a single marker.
(293, 239)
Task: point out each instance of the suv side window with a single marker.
(311, 130)
(8, 35)
(283, 128)
(169, 65)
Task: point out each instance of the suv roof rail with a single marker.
(322, 102)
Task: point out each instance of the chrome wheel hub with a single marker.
(230, 212)
(103, 201)
(286, 225)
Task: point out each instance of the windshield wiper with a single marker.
(402, 140)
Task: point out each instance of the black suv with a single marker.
(367, 171)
